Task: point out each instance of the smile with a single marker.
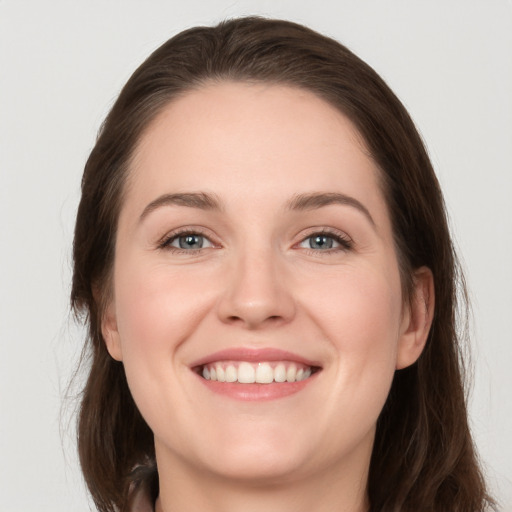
(250, 374)
(245, 372)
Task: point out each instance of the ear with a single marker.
(110, 332)
(417, 319)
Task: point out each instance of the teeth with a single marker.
(261, 373)
(264, 373)
(291, 373)
(246, 374)
(280, 373)
(221, 374)
(231, 374)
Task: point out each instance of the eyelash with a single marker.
(167, 240)
(345, 243)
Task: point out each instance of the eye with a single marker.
(325, 242)
(187, 242)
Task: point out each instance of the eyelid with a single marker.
(345, 241)
(165, 241)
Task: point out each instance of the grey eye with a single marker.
(320, 242)
(190, 241)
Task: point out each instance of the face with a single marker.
(257, 303)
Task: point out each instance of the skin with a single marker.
(257, 283)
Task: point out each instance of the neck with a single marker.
(183, 489)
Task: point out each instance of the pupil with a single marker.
(321, 242)
(191, 242)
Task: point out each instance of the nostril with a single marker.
(255, 305)
(253, 321)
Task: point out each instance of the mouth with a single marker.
(263, 372)
(250, 374)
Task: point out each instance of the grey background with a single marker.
(62, 64)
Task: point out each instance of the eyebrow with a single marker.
(317, 200)
(299, 202)
(200, 200)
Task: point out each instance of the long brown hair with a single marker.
(423, 457)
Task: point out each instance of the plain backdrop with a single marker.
(62, 63)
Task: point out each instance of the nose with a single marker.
(257, 292)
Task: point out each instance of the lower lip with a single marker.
(256, 392)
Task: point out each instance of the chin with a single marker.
(262, 468)
(261, 455)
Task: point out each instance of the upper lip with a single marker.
(254, 355)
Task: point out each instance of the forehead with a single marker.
(252, 139)
(214, 109)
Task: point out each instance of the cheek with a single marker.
(359, 308)
(361, 319)
(156, 308)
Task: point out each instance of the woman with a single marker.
(262, 255)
